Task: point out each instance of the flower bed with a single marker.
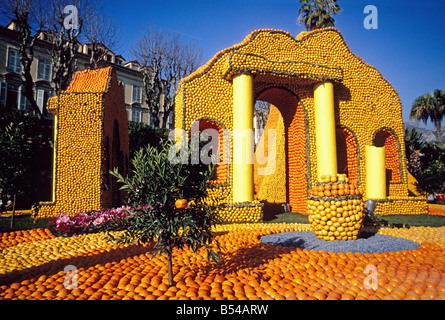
(90, 222)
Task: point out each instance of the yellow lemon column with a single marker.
(325, 129)
(243, 140)
(375, 170)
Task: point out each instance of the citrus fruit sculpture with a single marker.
(335, 208)
(330, 112)
(91, 138)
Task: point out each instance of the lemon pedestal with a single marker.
(375, 170)
(336, 210)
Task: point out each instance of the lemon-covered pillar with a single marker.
(375, 170)
(243, 139)
(325, 129)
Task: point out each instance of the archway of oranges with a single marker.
(386, 137)
(274, 66)
(348, 153)
(293, 135)
(222, 168)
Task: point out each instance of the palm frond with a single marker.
(316, 14)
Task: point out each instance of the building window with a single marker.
(152, 119)
(14, 64)
(136, 94)
(42, 97)
(22, 102)
(12, 94)
(44, 70)
(3, 89)
(170, 120)
(136, 115)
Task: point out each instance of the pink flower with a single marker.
(99, 221)
(62, 218)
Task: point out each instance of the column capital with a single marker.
(324, 83)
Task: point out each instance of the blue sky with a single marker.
(408, 47)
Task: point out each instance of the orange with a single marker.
(418, 289)
(163, 287)
(320, 295)
(250, 269)
(411, 295)
(347, 295)
(181, 204)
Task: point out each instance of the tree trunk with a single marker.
(29, 93)
(438, 130)
(167, 110)
(26, 51)
(13, 212)
(170, 267)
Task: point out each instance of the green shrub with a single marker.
(141, 135)
(26, 150)
(158, 182)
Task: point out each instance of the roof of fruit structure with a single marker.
(280, 53)
(89, 81)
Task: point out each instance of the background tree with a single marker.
(414, 143)
(65, 38)
(431, 177)
(165, 60)
(29, 20)
(316, 14)
(102, 34)
(142, 135)
(426, 162)
(25, 158)
(430, 107)
(261, 111)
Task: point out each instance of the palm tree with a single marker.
(414, 143)
(430, 107)
(316, 14)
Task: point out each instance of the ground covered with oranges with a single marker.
(33, 265)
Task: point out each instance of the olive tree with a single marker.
(169, 200)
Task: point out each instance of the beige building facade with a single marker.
(11, 82)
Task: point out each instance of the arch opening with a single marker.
(288, 183)
(221, 170)
(348, 154)
(385, 137)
